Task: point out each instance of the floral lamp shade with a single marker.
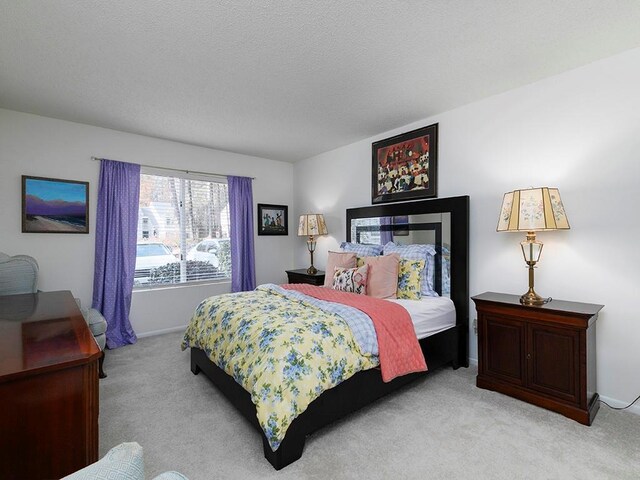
(312, 224)
(532, 210)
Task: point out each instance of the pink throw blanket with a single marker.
(398, 347)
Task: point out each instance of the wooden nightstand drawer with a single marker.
(301, 276)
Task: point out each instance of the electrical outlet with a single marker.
(475, 326)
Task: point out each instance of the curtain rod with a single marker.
(176, 169)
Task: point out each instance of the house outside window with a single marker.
(145, 227)
(189, 218)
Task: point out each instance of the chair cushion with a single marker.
(170, 476)
(96, 321)
(101, 340)
(123, 462)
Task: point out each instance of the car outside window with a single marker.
(189, 219)
(152, 249)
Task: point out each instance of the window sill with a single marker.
(172, 286)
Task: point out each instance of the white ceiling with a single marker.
(293, 78)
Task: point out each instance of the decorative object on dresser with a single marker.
(48, 386)
(273, 219)
(311, 225)
(532, 210)
(544, 354)
(51, 205)
(404, 167)
(302, 276)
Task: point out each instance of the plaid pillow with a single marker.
(361, 249)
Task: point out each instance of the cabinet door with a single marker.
(503, 344)
(553, 361)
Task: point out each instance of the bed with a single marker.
(443, 341)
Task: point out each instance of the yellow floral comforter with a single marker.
(284, 351)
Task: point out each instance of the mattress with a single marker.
(429, 315)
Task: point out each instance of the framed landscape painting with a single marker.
(273, 219)
(51, 205)
(404, 167)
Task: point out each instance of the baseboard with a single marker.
(473, 361)
(152, 333)
(617, 403)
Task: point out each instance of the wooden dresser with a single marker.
(545, 355)
(48, 387)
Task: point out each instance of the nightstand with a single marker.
(301, 276)
(544, 355)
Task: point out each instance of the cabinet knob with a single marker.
(528, 356)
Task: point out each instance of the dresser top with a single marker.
(42, 331)
(560, 306)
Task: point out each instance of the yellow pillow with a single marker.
(409, 284)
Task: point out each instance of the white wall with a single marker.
(39, 146)
(578, 131)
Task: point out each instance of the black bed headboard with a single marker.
(450, 234)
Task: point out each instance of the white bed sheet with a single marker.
(429, 315)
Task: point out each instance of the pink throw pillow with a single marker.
(382, 281)
(338, 259)
(352, 280)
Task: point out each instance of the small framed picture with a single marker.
(273, 219)
(51, 205)
(404, 167)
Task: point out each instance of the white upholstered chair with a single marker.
(19, 274)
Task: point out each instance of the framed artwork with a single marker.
(51, 205)
(405, 167)
(273, 219)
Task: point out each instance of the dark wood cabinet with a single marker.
(504, 355)
(544, 355)
(301, 276)
(48, 387)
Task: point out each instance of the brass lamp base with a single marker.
(312, 270)
(532, 298)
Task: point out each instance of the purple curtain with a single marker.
(243, 269)
(386, 235)
(115, 262)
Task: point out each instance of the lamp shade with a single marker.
(312, 224)
(532, 210)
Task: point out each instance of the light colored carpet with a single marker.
(439, 427)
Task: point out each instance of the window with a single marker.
(188, 217)
(366, 230)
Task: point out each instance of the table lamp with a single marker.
(532, 210)
(311, 225)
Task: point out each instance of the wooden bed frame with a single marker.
(447, 347)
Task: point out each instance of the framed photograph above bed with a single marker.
(405, 167)
(52, 205)
(273, 219)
